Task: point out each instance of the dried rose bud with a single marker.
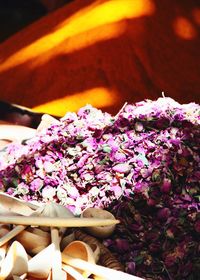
(197, 226)
(152, 235)
(155, 247)
(163, 214)
(151, 202)
(166, 186)
(122, 245)
(170, 260)
(135, 227)
(130, 267)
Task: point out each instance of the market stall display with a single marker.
(141, 164)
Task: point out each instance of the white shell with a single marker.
(14, 205)
(3, 250)
(52, 209)
(67, 240)
(33, 243)
(80, 250)
(40, 265)
(96, 250)
(4, 229)
(15, 262)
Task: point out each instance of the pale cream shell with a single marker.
(80, 250)
(40, 265)
(13, 205)
(101, 231)
(15, 262)
(33, 243)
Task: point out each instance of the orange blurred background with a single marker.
(106, 53)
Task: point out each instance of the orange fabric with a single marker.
(104, 53)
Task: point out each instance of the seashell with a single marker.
(40, 265)
(106, 258)
(39, 232)
(96, 250)
(80, 250)
(32, 241)
(55, 210)
(36, 250)
(103, 272)
(10, 234)
(67, 240)
(15, 205)
(4, 229)
(15, 262)
(100, 231)
(16, 133)
(72, 273)
(3, 250)
(4, 211)
(57, 272)
(52, 209)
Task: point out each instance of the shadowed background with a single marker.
(103, 53)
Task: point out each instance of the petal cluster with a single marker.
(145, 162)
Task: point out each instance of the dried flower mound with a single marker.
(145, 162)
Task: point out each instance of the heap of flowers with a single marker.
(143, 164)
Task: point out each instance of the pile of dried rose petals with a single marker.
(145, 161)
